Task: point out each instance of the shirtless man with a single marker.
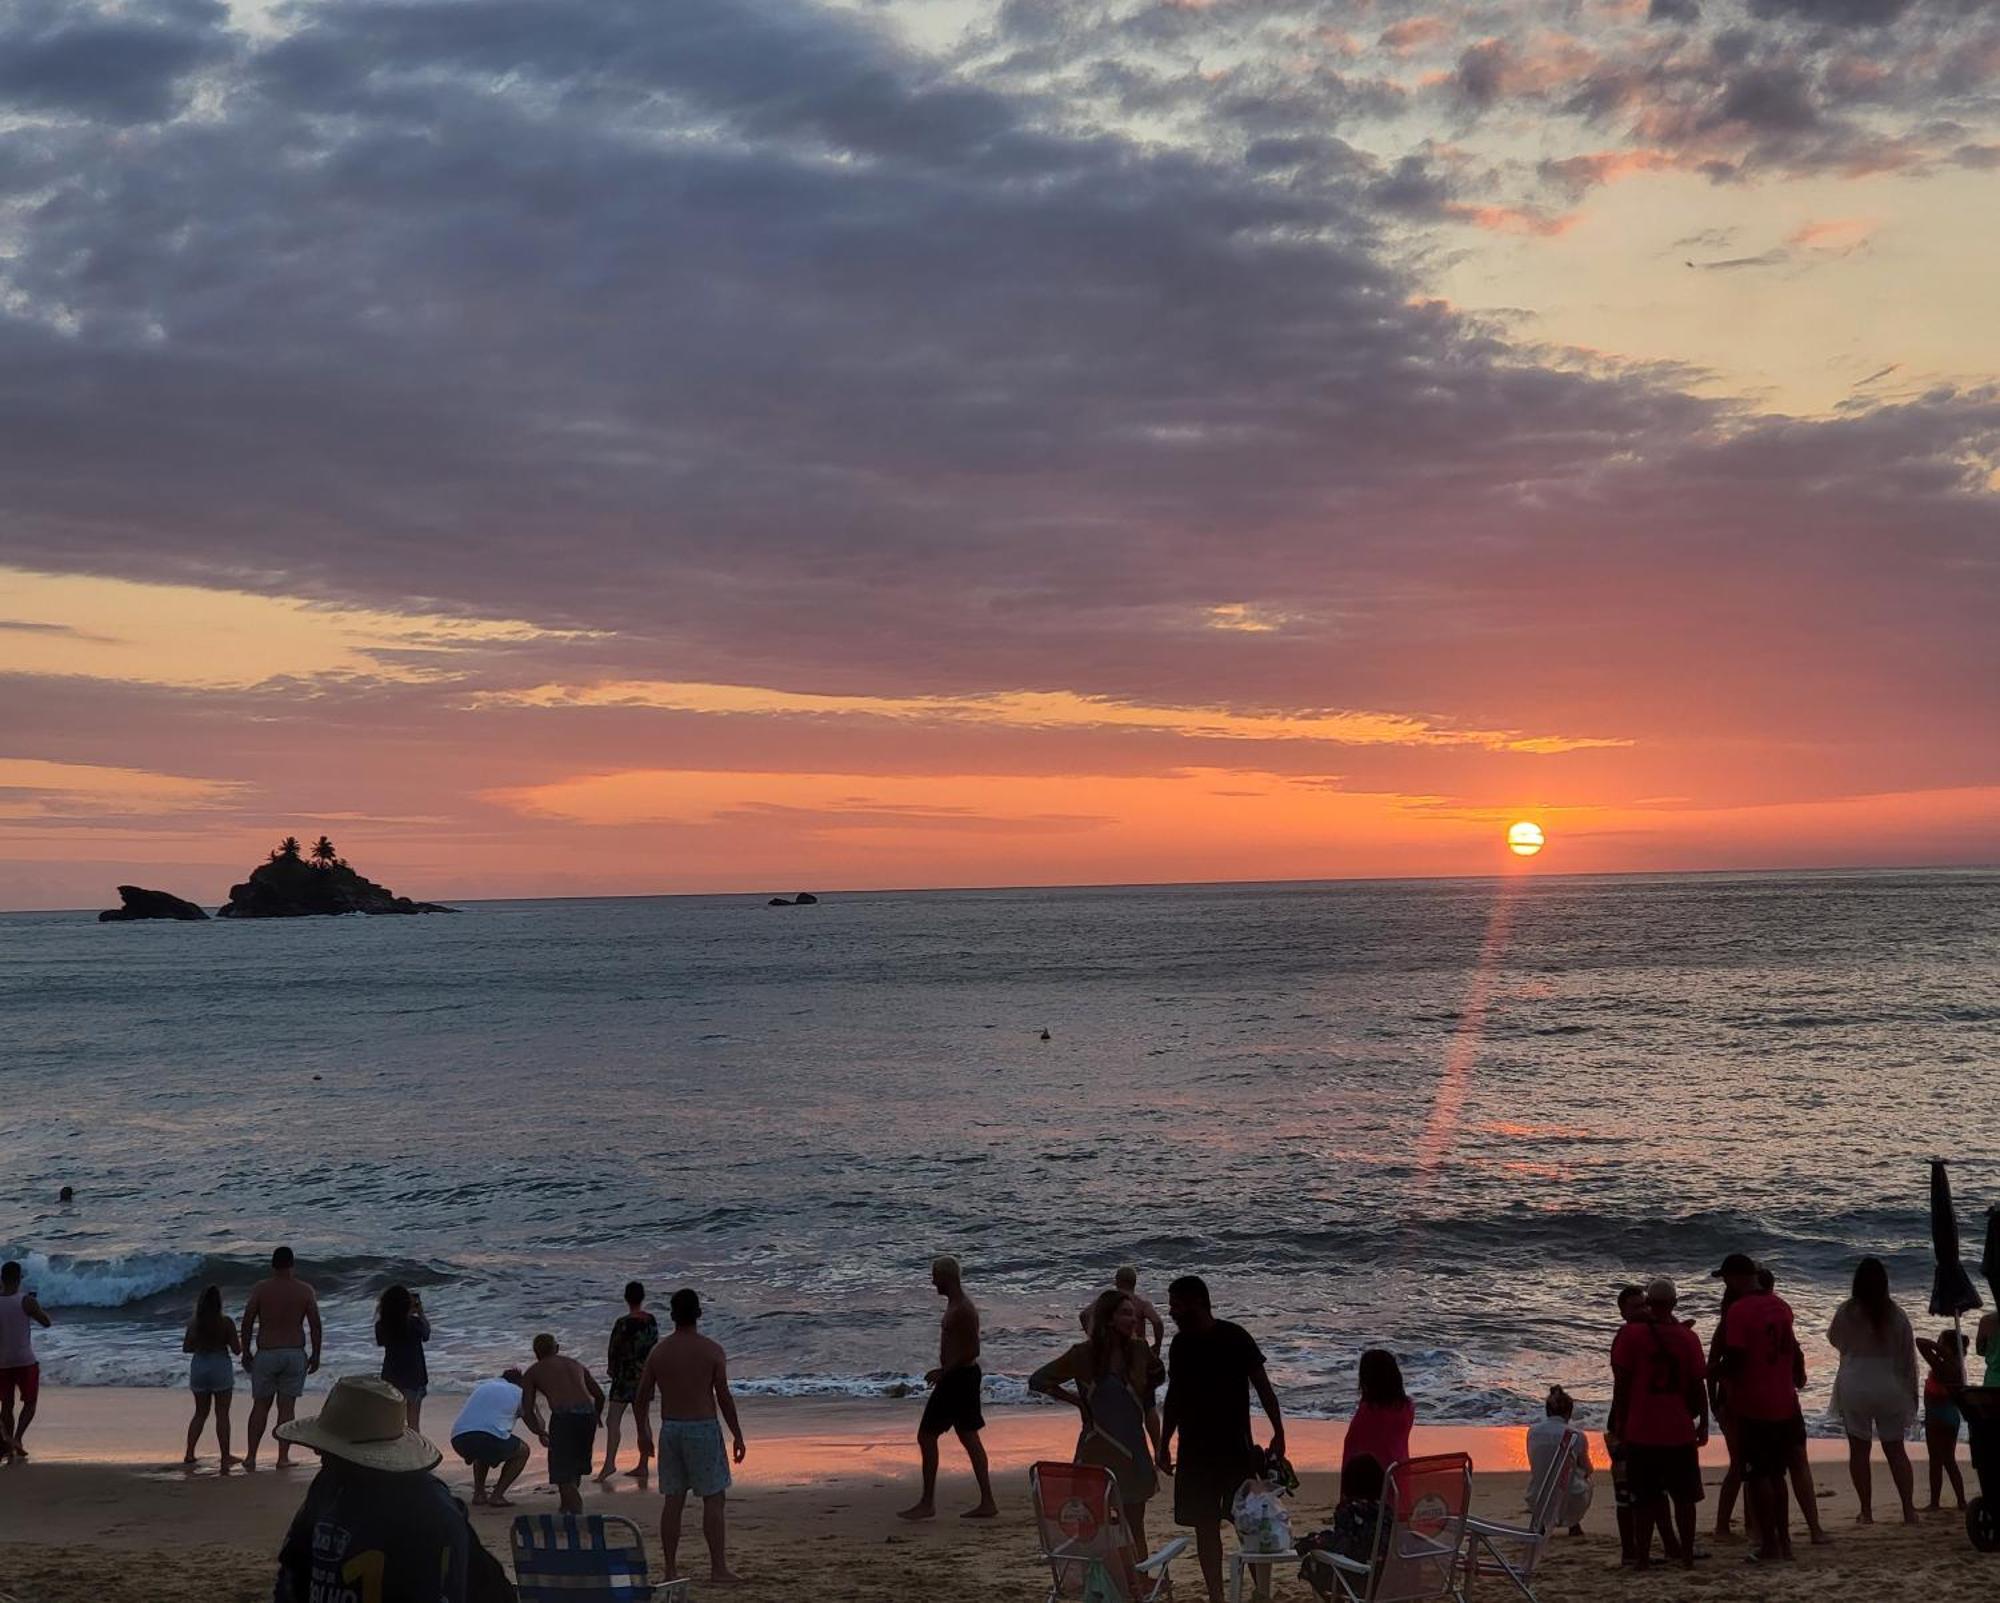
(276, 1319)
(576, 1407)
(954, 1400)
(1127, 1281)
(691, 1374)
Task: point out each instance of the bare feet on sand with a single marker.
(917, 1511)
(724, 1578)
(497, 1501)
(988, 1510)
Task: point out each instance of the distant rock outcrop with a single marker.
(803, 899)
(290, 887)
(142, 903)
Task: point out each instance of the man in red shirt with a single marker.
(1765, 1367)
(1659, 1412)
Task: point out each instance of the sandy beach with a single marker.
(104, 1511)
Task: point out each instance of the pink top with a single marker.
(1381, 1431)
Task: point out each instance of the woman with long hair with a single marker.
(1121, 1430)
(1875, 1389)
(212, 1342)
(401, 1331)
(1382, 1419)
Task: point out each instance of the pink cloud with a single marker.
(1413, 34)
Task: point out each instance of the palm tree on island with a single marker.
(323, 854)
(288, 850)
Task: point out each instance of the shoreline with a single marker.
(105, 1511)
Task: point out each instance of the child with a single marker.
(1357, 1532)
(1381, 1424)
(1946, 1357)
(1544, 1439)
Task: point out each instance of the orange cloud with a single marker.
(1513, 219)
(1413, 34)
(1833, 234)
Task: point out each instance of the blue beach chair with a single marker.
(594, 1558)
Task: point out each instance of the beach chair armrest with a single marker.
(1491, 1529)
(1164, 1557)
(1353, 1566)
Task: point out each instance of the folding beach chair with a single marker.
(1427, 1503)
(1513, 1551)
(1082, 1530)
(596, 1558)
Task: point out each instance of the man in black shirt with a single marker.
(1212, 1366)
(376, 1525)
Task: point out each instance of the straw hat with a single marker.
(364, 1421)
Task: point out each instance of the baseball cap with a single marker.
(1737, 1263)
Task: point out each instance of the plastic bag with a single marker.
(1262, 1525)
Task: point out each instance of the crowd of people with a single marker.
(1148, 1407)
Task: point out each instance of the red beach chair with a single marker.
(1082, 1528)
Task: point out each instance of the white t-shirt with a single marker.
(1544, 1438)
(493, 1407)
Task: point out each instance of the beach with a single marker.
(105, 1512)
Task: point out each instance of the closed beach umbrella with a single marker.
(1951, 1290)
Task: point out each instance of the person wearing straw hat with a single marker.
(376, 1525)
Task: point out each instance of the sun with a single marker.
(1524, 839)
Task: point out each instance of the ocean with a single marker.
(1445, 1117)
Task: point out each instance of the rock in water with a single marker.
(289, 887)
(142, 903)
(777, 901)
(804, 899)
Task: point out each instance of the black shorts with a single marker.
(1205, 1483)
(954, 1403)
(1768, 1444)
(1673, 1473)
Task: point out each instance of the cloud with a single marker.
(123, 64)
(35, 788)
(1042, 710)
(466, 353)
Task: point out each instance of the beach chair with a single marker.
(1082, 1529)
(576, 1558)
(1513, 1551)
(1427, 1504)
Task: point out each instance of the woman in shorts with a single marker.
(1875, 1391)
(212, 1342)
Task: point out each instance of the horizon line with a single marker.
(1517, 873)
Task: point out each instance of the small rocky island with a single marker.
(804, 899)
(142, 903)
(300, 883)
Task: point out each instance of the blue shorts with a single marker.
(691, 1458)
(212, 1374)
(277, 1372)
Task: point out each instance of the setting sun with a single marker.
(1524, 839)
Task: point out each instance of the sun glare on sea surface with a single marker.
(1524, 839)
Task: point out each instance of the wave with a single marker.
(63, 1281)
(143, 1281)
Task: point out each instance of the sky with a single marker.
(564, 447)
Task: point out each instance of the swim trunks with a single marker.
(212, 1374)
(572, 1441)
(1673, 1473)
(25, 1378)
(954, 1403)
(1205, 1482)
(483, 1447)
(277, 1372)
(691, 1458)
(1768, 1445)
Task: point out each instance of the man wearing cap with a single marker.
(376, 1526)
(1762, 1361)
(1659, 1412)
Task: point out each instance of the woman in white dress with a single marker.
(1875, 1391)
